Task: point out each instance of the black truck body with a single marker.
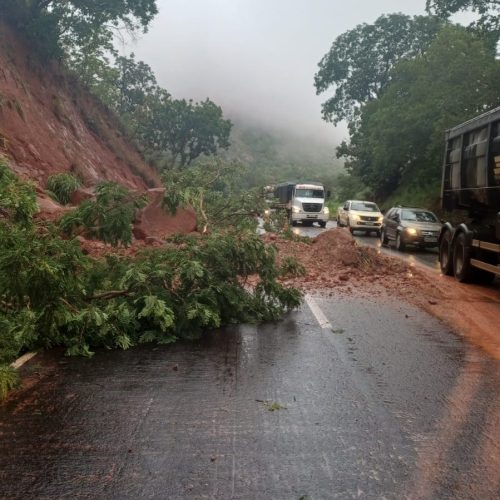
(470, 248)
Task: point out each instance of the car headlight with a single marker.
(411, 230)
(380, 219)
(295, 210)
(356, 217)
(267, 211)
(326, 210)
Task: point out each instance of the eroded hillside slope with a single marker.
(50, 124)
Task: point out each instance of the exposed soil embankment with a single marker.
(49, 123)
(335, 262)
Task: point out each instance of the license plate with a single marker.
(312, 216)
(368, 223)
(430, 239)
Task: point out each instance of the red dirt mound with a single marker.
(334, 260)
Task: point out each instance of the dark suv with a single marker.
(410, 226)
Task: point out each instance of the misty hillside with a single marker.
(273, 156)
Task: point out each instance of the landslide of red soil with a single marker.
(50, 124)
(335, 263)
(334, 260)
(154, 222)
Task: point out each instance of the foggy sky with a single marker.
(255, 58)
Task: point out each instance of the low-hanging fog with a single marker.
(256, 58)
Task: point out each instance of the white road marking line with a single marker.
(23, 359)
(318, 313)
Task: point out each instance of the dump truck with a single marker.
(303, 201)
(469, 247)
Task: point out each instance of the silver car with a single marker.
(410, 226)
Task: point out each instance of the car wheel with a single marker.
(322, 224)
(462, 268)
(383, 237)
(339, 224)
(400, 244)
(351, 230)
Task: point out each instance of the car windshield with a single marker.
(309, 193)
(364, 207)
(418, 216)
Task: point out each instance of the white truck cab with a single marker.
(304, 202)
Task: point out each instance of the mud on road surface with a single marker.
(335, 262)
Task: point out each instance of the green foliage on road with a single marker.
(8, 380)
(213, 188)
(52, 294)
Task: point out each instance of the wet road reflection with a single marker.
(384, 402)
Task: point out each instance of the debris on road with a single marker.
(336, 263)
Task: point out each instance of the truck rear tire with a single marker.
(445, 255)
(462, 268)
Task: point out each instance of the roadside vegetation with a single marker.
(399, 83)
(62, 186)
(423, 75)
(52, 294)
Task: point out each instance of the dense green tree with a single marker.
(400, 136)
(56, 25)
(488, 11)
(135, 83)
(359, 63)
(183, 129)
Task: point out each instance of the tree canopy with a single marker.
(184, 129)
(359, 63)
(59, 25)
(488, 11)
(400, 135)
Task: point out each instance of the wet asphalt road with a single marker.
(371, 399)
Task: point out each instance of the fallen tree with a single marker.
(52, 294)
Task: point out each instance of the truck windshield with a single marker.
(364, 207)
(418, 216)
(309, 193)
